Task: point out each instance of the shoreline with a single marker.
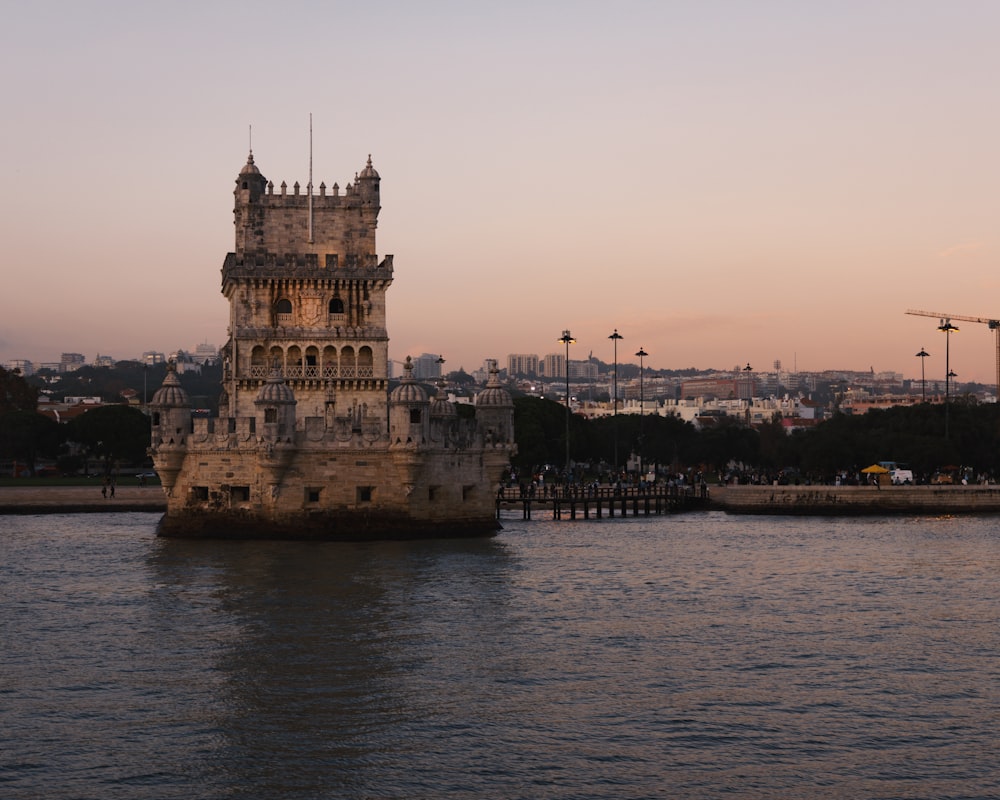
(801, 500)
(79, 499)
(855, 500)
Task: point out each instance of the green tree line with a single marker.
(108, 435)
(914, 435)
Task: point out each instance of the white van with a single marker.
(899, 475)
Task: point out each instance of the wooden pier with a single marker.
(596, 502)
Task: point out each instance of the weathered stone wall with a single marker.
(821, 500)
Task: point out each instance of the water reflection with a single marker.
(315, 643)
(694, 656)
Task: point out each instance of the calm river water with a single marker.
(693, 656)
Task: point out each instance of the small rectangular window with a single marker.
(365, 494)
(240, 494)
(200, 492)
(312, 495)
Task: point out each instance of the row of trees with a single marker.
(913, 435)
(108, 434)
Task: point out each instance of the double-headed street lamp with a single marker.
(614, 421)
(642, 407)
(923, 383)
(567, 339)
(947, 329)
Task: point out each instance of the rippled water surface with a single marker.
(690, 656)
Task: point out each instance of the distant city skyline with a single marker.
(722, 182)
(428, 366)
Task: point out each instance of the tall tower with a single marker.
(309, 442)
(306, 296)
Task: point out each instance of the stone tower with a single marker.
(309, 442)
(306, 296)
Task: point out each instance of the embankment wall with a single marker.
(846, 500)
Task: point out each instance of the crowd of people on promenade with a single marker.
(855, 477)
(622, 485)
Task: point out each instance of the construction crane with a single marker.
(993, 323)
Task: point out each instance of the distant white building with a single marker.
(20, 365)
(522, 364)
(71, 361)
(205, 353)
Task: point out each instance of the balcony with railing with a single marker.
(313, 372)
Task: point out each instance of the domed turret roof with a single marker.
(494, 394)
(369, 170)
(275, 391)
(250, 168)
(440, 407)
(408, 391)
(171, 393)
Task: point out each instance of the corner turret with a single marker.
(170, 417)
(250, 184)
(495, 410)
(408, 407)
(170, 411)
(367, 185)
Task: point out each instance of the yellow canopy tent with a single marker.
(875, 469)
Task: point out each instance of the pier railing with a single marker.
(586, 502)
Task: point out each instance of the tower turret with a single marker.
(495, 410)
(250, 184)
(408, 406)
(170, 411)
(275, 404)
(367, 183)
(250, 188)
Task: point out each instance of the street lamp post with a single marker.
(947, 329)
(567, 339)
(642, 408)
(614, 421)
(923, 383)
(749, 371)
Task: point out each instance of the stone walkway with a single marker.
(66, 499)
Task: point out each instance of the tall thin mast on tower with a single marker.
(310, 178)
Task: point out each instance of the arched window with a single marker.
(336, 306)
(365, 362)
(284, 306)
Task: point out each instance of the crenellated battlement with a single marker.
(297, 196)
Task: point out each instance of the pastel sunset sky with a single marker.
(723, 182)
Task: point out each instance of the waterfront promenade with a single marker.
(856, 500)
(801, 500)
(79, 499)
